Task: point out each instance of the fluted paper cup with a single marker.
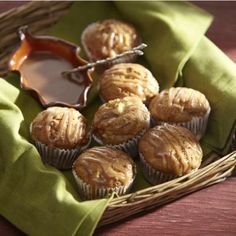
(153, 176)
(60, 158)
(88, 192)
(197, 125)
(130, 147)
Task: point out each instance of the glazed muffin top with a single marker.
(60, 127)
(119, 120)
(105, 167)
(178, 105)
(128, 79)
(171, 149)
(108, 38)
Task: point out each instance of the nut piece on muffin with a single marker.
(181, 106)
(168, 151)
(60, 134)
(120, 123)
(108, 38)
(128, 79)
(100, 171)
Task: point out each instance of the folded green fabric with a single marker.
(41, 200)
(210, 71)
(38, 199)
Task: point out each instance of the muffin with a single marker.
(108, 38)
(168, 151)
(99, 171)
(60, 134)
(120, 123)
(127, 79)
(181, 106)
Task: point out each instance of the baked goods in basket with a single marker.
(128, 79)
(60, 134)
(108, 38)
(120, 123)
(168, 151)
(181, 106)
(100, 171)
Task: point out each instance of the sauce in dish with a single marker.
(40, 60)
(42, 70)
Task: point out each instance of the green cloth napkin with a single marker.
(41, 200)
(37, 199)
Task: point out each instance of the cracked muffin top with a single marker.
(60, 127)
(105, 167)
(120, 120)
(171, 149)
(108, 38)
(178, 105)
(128, 79)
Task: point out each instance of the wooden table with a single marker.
(211, 211)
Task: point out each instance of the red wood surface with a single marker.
(211, 211)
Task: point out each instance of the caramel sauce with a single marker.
(42, 71)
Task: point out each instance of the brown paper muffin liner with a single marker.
(88, 192)
(124, 59)
(130, 147)
(197, 125)
(154, 176)
(60, 158)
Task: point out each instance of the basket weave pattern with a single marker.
(40, 16)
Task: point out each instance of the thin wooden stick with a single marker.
(134, 51)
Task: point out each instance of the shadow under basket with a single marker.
(214, 169)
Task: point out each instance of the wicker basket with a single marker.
(40, 16)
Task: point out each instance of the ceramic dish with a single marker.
(41, 60)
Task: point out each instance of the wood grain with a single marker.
(223, 29)
(211, 211)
